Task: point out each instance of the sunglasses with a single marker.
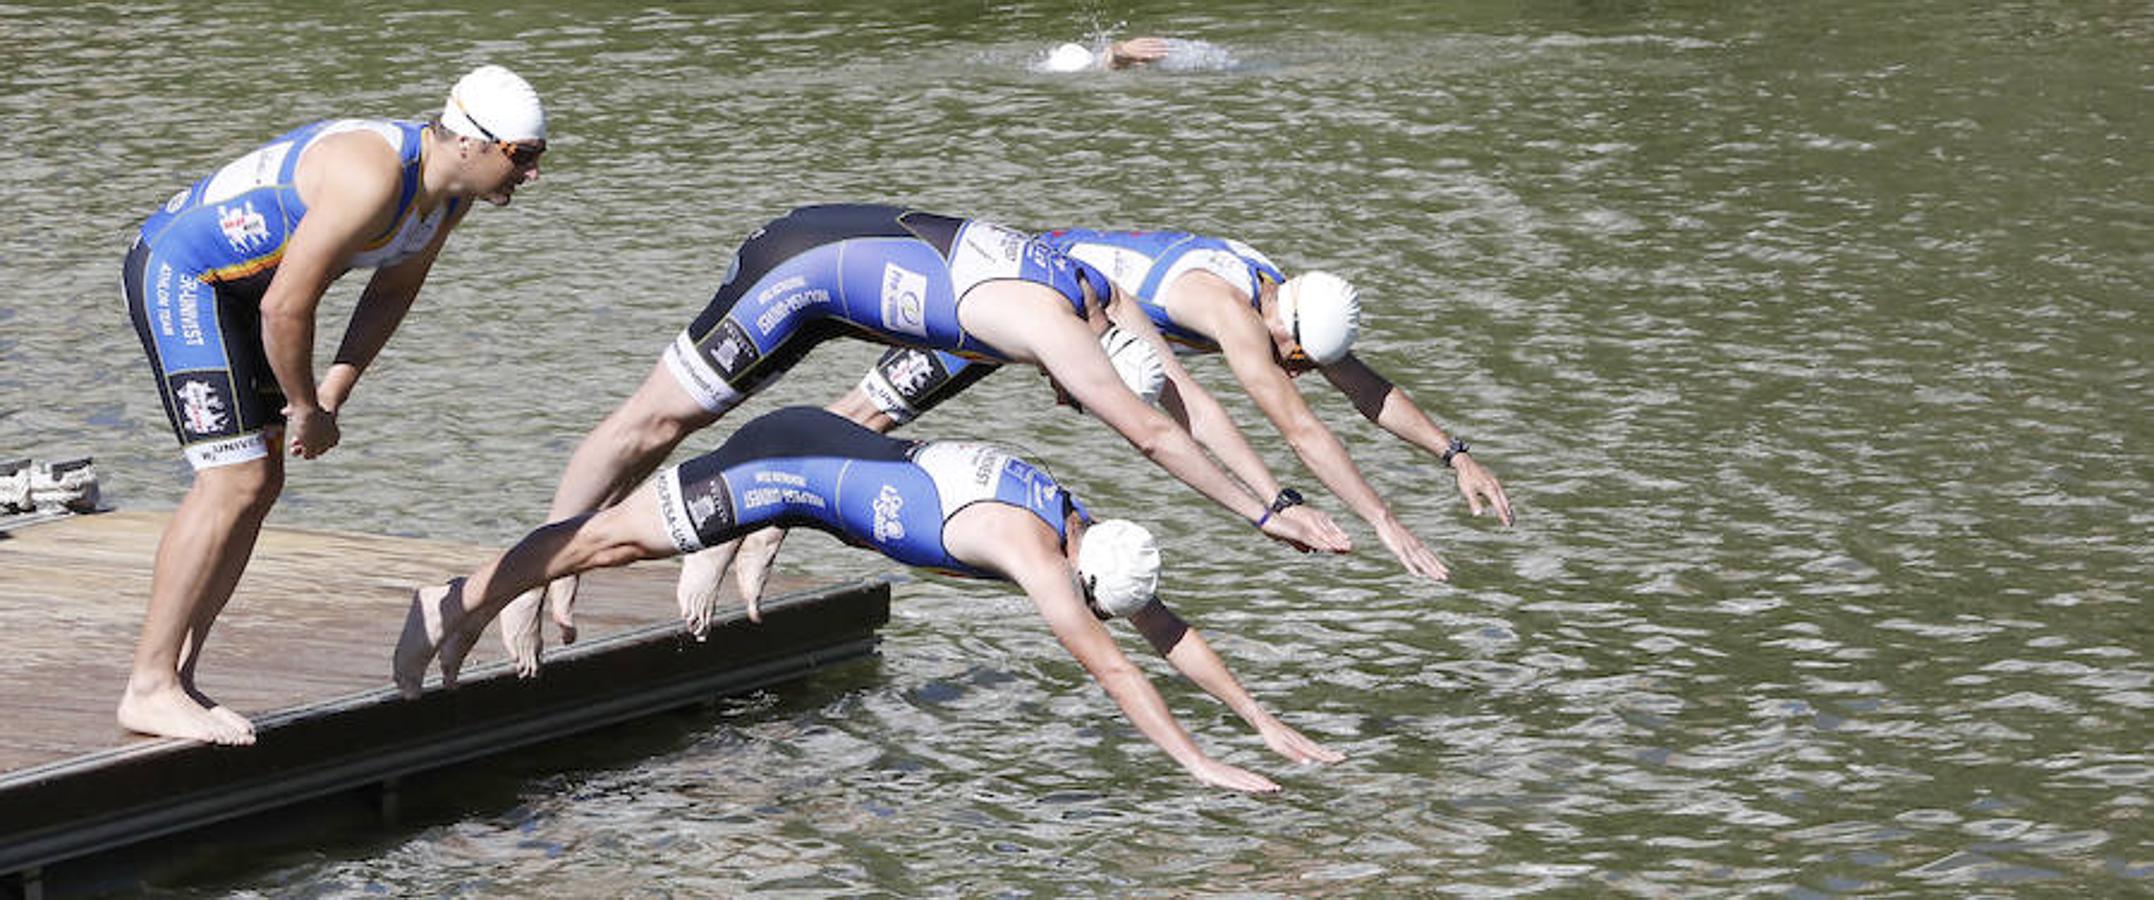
(521, 154)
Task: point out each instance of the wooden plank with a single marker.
(304, 649)
(315, 616)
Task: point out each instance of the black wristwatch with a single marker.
(1287, 497)
(1456, 447)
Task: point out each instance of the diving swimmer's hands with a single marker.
(1307, 530)
(1291, 744)
(1412, 554)
(311, 429)
(1477, 482)
(1233, 778)
(1136, 52)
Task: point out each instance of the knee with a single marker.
(252, 487)
(640, 431)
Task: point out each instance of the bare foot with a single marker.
(433, 611)
(226, 714)
(456, 641)
(169, 712)
(523, 631)
(221, 711)
(561, 599)
(702, 577)
(751, 569)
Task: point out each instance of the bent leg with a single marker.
(198, 564)
(449, 619)
(626, 446)
(619, 453)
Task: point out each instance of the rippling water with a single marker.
(1812, 344)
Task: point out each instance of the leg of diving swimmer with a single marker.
(448, 620)
(618, 454)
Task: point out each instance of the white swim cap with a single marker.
(1323, 312)
(1069, 58)
(1119, 564)
(1135, 361)
(493, 104)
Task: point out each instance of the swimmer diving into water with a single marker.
(963, 508)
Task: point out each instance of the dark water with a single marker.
(1811, 341)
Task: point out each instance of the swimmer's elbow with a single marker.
(1116, 675)
(1151, 435)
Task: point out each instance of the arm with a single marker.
(1010, 541)
(381, 308)
(1207, 422)
(349, 187)
(1213, 307)
(1194, 408)
(1191, 655)
(1388, 406)
(1030, 325)
(1136, 52)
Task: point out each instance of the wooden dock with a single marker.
(303, 650)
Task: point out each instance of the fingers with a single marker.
(1219, 774)
(1427, 565)
(1476, 483)
(1308, 529)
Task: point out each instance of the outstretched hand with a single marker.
(1233, 778)
(1307, 530)
(1136, 52)
(1293, 745)
(1479, 485)
(1415, 556)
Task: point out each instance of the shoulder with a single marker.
(353, 163)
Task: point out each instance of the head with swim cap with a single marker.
(494, 104)
(1323, 314)
(1136, 362)
(1069, 58)
(1118, 563)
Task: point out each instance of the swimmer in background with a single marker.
(963, 508)
(1137, 52)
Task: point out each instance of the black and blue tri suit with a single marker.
(806, 467)
(195, 277)
(906, 382)
(882, 273)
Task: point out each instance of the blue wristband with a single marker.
(1266, 517)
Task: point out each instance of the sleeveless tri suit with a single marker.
(802, 466)
(883, 273)
(195, 277)
(906, 382)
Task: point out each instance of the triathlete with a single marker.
(223, 284)
(961, 508)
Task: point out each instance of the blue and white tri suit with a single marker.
(883, 273)
(802, 466)
(905, 383)
(195, 277)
